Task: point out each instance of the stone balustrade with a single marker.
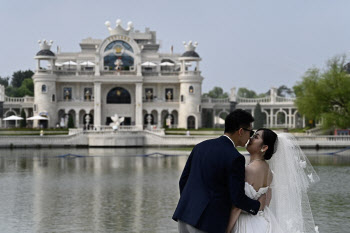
(132, 136)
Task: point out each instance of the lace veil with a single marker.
(293, 175)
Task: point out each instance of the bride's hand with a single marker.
(262, 200)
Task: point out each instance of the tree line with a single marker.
(19, 85)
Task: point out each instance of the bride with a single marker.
(285, 179)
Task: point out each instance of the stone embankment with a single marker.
(145, 139)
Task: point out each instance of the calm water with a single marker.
(113, 190)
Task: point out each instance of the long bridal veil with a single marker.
(293, 175)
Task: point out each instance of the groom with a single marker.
(213, 180)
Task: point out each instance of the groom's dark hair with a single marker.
(237, 119)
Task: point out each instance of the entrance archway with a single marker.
(191, 122)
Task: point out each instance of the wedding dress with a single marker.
(289, 210)
(263, 222)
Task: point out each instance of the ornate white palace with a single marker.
(125, 74)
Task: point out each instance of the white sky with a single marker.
(255, 44)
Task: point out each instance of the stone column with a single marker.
(159, 92)
(214, 118)
(38, 65)
(138, 105)
(77, 120)
(159, 123)
(290, 118)
(271, 118)
(52, 62)
(97, 105)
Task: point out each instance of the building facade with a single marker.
(126, 75)
(123, 74)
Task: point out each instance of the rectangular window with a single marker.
(88, 93)
(169, 94)
(149, 94)
(67, 93)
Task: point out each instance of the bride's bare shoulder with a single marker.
(258, 173)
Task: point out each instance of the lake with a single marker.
(121, 190)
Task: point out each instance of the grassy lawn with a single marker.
(34, 129)
(31, 132)
(35, 134)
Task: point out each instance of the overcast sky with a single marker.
(255, 44)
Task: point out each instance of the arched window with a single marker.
(53, 98)
(191, 122)
(43, 88)
(182, 98)
(118, 56)
(191, 90)
(118, 95)
(148, 118)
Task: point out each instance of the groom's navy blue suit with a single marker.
(211, 182)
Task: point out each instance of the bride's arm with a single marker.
(235, 212)
(268, 196)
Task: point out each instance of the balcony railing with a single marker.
(66, 72)
(214, 100)
(159, 100)
(115, 72)
(150, 73)
(254, 100)
(194, 72)
(284, 99)
(75, 100)
(169, 73)
(86, 72)
(26, 99)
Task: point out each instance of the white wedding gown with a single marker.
(263, 222)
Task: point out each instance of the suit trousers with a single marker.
(186, 228)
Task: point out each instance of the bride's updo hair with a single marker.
(270, 139)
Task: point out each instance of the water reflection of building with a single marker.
(125, 74)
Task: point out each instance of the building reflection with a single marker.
(107, 192)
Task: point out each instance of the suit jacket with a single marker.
(211, 182)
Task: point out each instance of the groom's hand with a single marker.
(262, 200)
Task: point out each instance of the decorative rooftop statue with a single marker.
(44, 45)
(119, 30)
(190, 46)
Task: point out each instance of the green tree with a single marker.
(4, 81)
(325, 94)
(19, 76)
(70, 121)
(10, 91)
(284, 91)
(246, 93)
(23, 122)
(216, 92)
(27, 88)
(259, 117)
